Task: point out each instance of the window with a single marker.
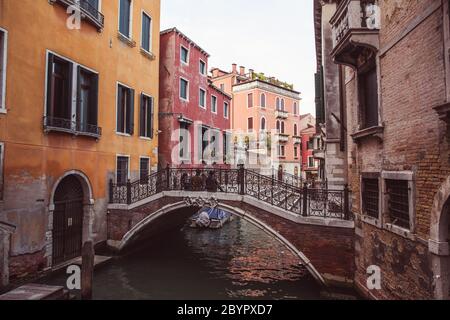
(295, 130)
(184, 55)
(295, 152)
(250, 100)
(278, 127)
(3, 61)
(226, 110)
(295, 109)
(184, 141)
(202, 98)
(144, 170)
(250, 124)
(368, 96)
(205, 142)
(202, 67)
(282, 127)
(263, 124)
(278, 104)
(282, 104)
(184, 89)
(63, 90)
(125, 110)
(311, 163)
(397, 192)
(281, 151)
(225, 146)
(213, 104)
(146, 117)
(370, 196)
(310, 144)
(122, 170)
(263, 100)
(146, 32)
(125, 18)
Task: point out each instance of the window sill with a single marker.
(129, 42)
(376, 132)
(123, 134)
(149, 55)
(146, 138)
(372, 221)
(405, 233)
(184, 100)
(3, 111)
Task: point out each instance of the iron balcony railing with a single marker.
(89, 12)
(72, 127)
(301, 200)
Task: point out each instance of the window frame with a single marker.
(309, 162)
(362, 74)
(200, 89)
(152, 117)
(248, 100)
(400, 176)
(3, 108)
(150, 31)
(130, 21)
(140, 168)
(187, 89)
(117, 110)
(263, 105)
(248, 124)
(212, 104)
(117, 166)
(295, 107)
(187, 56)
(200, 67)
(261, 124)
(226, 110)
(366, 217)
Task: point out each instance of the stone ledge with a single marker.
(375, 132)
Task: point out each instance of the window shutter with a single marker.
(320, 103)
(93, 110)
(120, 109)
(142, 116)
(150, 121)
(78, 96)
(49, 112)
(131, 113)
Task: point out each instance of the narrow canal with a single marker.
(237, 262)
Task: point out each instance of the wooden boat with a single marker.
(211, 218)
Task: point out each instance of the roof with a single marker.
(177, 31)
(318, 31)
(266, 82)
(212, 86)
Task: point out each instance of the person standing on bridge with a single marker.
(197, 181)
(212, 185)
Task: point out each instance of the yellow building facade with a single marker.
(79, 104)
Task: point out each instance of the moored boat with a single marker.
(211, 218)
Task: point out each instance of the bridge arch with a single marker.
(170, 208)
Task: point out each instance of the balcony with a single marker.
(297, 140)
(355, 28)
(280, 114)
(281, 137)
(89, 13)
(53, 124)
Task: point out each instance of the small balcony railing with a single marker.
(282, 137)
(297, 140)
(281, 114)
(88, 12)
(71, 127)
(355, 21)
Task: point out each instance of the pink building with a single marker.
(194, 114)
(263, 105)
(310, 165)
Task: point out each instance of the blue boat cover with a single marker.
(214, 213)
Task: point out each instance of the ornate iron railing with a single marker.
(305, 201)
(90, 12)
(72, 127)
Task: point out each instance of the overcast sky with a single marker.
(271, 36)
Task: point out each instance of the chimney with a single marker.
(215, 72)
(251, 71)
(234, 65)
(242, 71)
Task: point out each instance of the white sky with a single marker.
(271, 36)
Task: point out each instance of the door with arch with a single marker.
(67, 220)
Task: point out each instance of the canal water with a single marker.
(238, 261)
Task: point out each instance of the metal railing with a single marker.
(304, 200)
(71, 127)
(91, 13)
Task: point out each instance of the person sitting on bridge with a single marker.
(212, 185)
(197, 181)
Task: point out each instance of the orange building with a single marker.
(263, 105)
(77, 100)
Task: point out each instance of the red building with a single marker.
(194, 114)
(310, 166)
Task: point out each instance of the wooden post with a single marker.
(87, 270)
(305, 200)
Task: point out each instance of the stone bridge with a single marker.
(312, 223)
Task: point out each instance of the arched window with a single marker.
(263, 100)
(295, 109)
(278, 104)
(278, 126)
(295, 130)
(282, 127)
(282, 104)
(263, 124)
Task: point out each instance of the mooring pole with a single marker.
(87, 270)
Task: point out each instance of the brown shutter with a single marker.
(142, 116)
(49, 112)
(120, 109)
(93, 106)
(130, 109)
(150, 120)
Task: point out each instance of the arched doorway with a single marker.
(67, 220)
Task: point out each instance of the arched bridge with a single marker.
(315, 224)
